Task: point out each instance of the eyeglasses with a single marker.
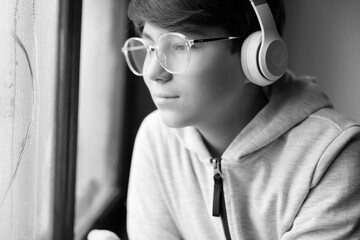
(173, 51)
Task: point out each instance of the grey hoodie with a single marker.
(292, 173)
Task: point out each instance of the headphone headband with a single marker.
(265, 18)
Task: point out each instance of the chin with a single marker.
(174, 120)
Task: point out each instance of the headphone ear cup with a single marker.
(249, 59)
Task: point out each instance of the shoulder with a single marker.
(333, 119)
(340, 136)
(153, 132)
(337, 127)
(321, 139)
(327, 127)
(152, 125)
(340, 129)
(151, 120)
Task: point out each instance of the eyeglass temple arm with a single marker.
(211, 39)
(132, 48)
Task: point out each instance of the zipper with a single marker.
(218, 188)
(219, 209)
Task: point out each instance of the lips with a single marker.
(164, 96)
(161, 99)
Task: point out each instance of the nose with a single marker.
(154, 71)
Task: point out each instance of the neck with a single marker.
(219, 134)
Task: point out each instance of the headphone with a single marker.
(264, 55)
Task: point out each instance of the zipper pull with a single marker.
(218, 183)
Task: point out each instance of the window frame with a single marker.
(67, 96)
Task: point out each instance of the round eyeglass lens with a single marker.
(173, 52)
(136, 54)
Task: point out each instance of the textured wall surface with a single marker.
(28, 35)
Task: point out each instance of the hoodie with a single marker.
(291, 173)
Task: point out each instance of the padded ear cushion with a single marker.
(249, 59)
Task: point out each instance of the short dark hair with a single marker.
(236, 16)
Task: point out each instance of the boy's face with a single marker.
(209, 90)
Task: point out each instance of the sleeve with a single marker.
(147, 214)
(331, 209)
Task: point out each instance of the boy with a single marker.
(232, 153)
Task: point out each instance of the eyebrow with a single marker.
(187, 31)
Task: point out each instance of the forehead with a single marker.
(152, 32)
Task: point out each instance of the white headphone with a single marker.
(264, 55)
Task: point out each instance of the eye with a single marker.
(179, 47)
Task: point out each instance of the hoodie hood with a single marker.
(291, 100)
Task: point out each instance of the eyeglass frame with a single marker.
(153, 48)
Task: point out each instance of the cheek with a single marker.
(217, 74)
(216, 62)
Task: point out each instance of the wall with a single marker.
(323, 38)
(28, 50)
